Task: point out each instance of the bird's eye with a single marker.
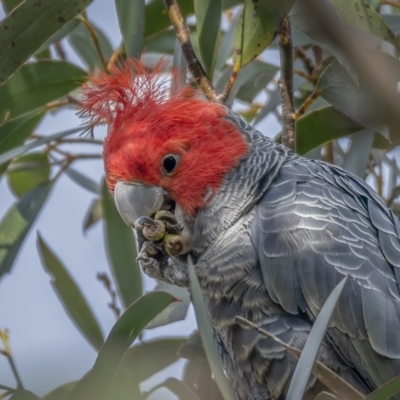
(169, 163)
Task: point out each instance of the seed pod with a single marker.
(175, 245)
(169, 220)
(154, 231)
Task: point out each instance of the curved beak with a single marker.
(134, 200)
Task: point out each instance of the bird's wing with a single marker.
(315, 225)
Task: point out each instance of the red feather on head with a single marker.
(147, 122)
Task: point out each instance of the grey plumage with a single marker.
(272, 244)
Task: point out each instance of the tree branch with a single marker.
(285, 84)
(183, 35)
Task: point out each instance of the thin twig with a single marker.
(103, 278)
(285, 84)
(228, 87)
(304, 75)
(329, 155)
(95, 40)
(9, 389)
(7, 353)
(307, 103)
(308, 64)
(183, 34)
(391, 3)
(60, 51)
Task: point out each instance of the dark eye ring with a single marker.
(170, 162)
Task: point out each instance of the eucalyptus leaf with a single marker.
(358, 155)
(131, 18)
(337, 87)
(28, 26)
(81, 41)
(250, 80)
(176, 311)
(177, 387)
(147, 359)
(28, 171)
(97, 384)
(330, 124)
(14, 132)
(259, 24)
(70, 296)
(36, 84)
(386, 390)
(22, 394)
(60, 393)
(83, 180)
(205, 329)
(308, 356)
(16, 224)
(208, 21)
(8, 155)
(121, 251)
(94, 214)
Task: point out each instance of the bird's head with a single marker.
(160, 144)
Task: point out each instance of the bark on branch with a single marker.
(183, 35)
(285, 83)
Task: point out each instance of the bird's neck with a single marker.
(242, 187)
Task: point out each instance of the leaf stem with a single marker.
(95, 40)
(7, 388)
(7, 353)
(307, 103)
(183, 35)
(285, 84)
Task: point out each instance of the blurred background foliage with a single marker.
(345, 81)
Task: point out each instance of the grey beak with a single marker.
(137, 200)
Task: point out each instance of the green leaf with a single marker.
(337, 87)
(393, 22)
(36, 84)
(83, 180)
(59, 35)
(205, 329)
(121, 251)
(156, 19)
(97, 383)
(146, 359)
(162, 42)
(344, 14)
(275, 99)
(22, 394)
(131, 18)
(8, 155)
(61, 393)
(9, 5)
(330, 124)
(386, 390)
(81, 41)
(358, 14)
(208, 21)
(258, 26)
(176, 311)
(70, 296)
(358, 155)
(28, 171)
(28, 26)
(308, 356)
(93, 214)
(13, 133)
(250, 80)
(17, 222)
(177, 387)
(326, 396)
(192, 348)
